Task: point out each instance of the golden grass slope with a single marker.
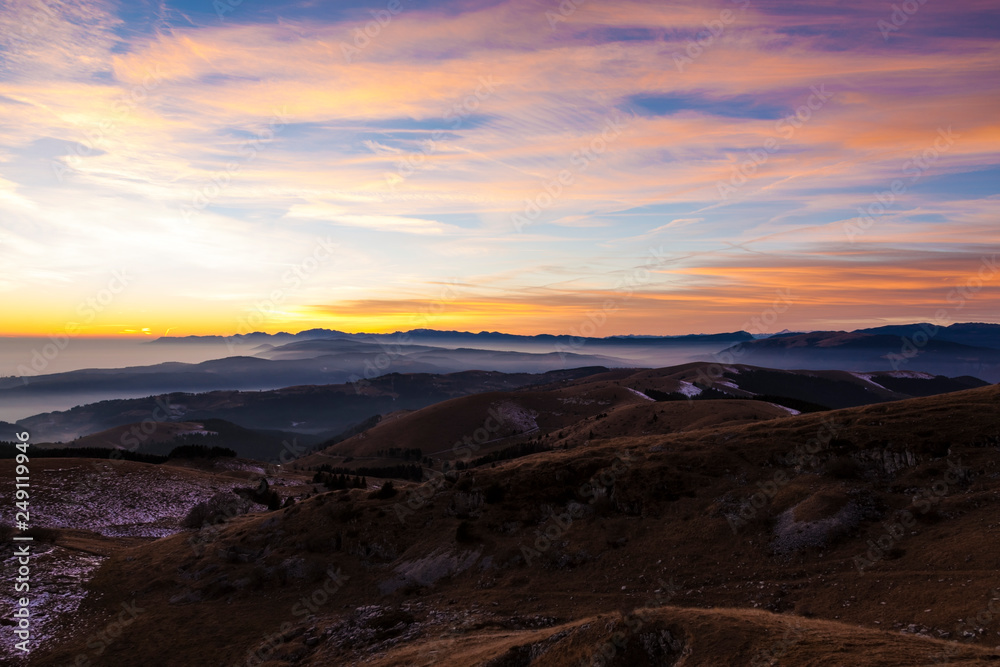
(737, 535)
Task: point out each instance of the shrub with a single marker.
(216, 509)
(42, 534)
(262, 495)
(273, 500)
(895, 552)
(843, 468)
(464, 532)
(494, 494)
(387, 491)
(391, 618)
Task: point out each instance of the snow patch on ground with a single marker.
(514, 415)
(574, 400)
(914, 375)
(116, 500)
(113, 499)
(688, 389)
(867, 377)
(57, 587)
(790, 410)
(640, 394)
(243, 466)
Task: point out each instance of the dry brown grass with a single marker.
(734, 598)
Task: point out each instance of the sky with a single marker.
(527, 166)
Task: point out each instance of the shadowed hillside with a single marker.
(869, 532)
(620, 403)
(308, 409)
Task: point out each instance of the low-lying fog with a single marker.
(28, 357)
(340, 361)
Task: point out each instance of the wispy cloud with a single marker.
(387, 223)
(116, 120)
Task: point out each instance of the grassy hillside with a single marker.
(858, 536)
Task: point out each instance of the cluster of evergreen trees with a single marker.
(81, 452)
(410, 471)
(335, 482)
(407, 454)
(182, 452)
(711, 394)
(200, 452)
(512, 452)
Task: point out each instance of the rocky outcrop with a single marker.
(885, 461)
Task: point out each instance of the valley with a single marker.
(678, 531)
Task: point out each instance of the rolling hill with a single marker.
(862, 351)
(307, 410)
(159, 438)
(975, 334)
(622, 403)
(863, 535)
(316, 362)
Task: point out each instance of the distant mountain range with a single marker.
(300, 362)
(257, 424)
(975, 334)
(945, 351)
(433, 336)
(323, 357)
(310, 411)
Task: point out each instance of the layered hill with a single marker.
(159, 438)
(149, 435)
(975, 334)
(309, 362)
(863, 535)
(306, 409)
(483, 340)
(905, 349)
(623, 403)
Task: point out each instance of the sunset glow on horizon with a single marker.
(525, 166)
